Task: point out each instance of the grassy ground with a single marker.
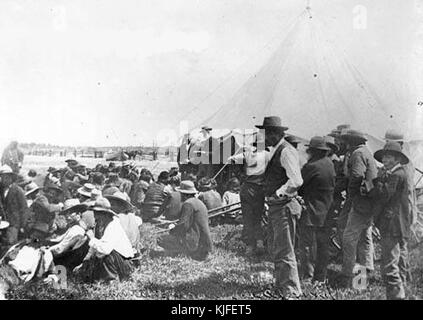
(226, 274)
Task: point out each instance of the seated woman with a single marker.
(70, 248)
(110, 250)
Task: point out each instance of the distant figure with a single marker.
(13, 157)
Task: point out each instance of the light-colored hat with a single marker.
(187, 187)
(4, 225)
(73, 205)
(86, 190)
(393, 135)
(102, 205)
(330, 141)
(394, 148)
(31, 188)
(5, 169)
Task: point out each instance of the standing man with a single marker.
(13, 157)
(282, 179)
(252, 195)
(14, 204)
(395, 218)
(357, 240)
(317, 191)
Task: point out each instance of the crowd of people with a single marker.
(88, 219)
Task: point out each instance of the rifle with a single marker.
(211, 214)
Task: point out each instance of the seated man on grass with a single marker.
(110, 250)
(191, 235)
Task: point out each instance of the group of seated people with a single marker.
(88, 221)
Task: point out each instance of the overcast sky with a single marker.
(116, 72)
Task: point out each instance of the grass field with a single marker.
(226, 274)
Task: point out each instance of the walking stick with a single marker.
(421, 177)
(224, 166)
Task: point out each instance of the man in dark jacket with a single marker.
(395, 218)
(317, 191)
(357, 240)
(13, 203)
(155, 197)
(192, 234)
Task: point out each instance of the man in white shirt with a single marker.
(282, 179)
(252, 195)
(110, 250)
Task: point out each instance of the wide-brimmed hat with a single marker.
(393, 135)
(391, 147)
(339, 129)
(102, 205)
(86, 189)
(53, 186)
(234, 184)
(72, 160)
(330, 141)
(52, 170)
(119, 201)
(318, 143)
(272, 122)
(187, 187)
(31, 188)
(5, 169)
(4, 224)
(353, 134)
(206, 128)
(73, 205)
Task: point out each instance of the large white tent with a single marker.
(313, 87)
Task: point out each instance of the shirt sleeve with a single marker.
(103, 246)
(184, 223)
(67, 243)
(290, 162)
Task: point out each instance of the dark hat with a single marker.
(330, 141)
(292, 139)
(391, 147)
(187, 187)
(272, 122)
(102, 205)
(53, 186)
(393, 135)
(118, 201)
(339, 129)
(204, 183)
(234, 183)
(319, 143)
(353, 134)
(164, 175)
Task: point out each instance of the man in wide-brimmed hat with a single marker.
(317, 191)
(43, 211)
(110, 250)
(14, 206)
(395, 218)
(282, 179)
(70, 248)
(357, 242)
(191, 235)
(129, 221)
(397, 136)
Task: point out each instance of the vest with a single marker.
(275, 175)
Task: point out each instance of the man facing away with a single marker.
(191, 235)
(357, 240)
(282, 179)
